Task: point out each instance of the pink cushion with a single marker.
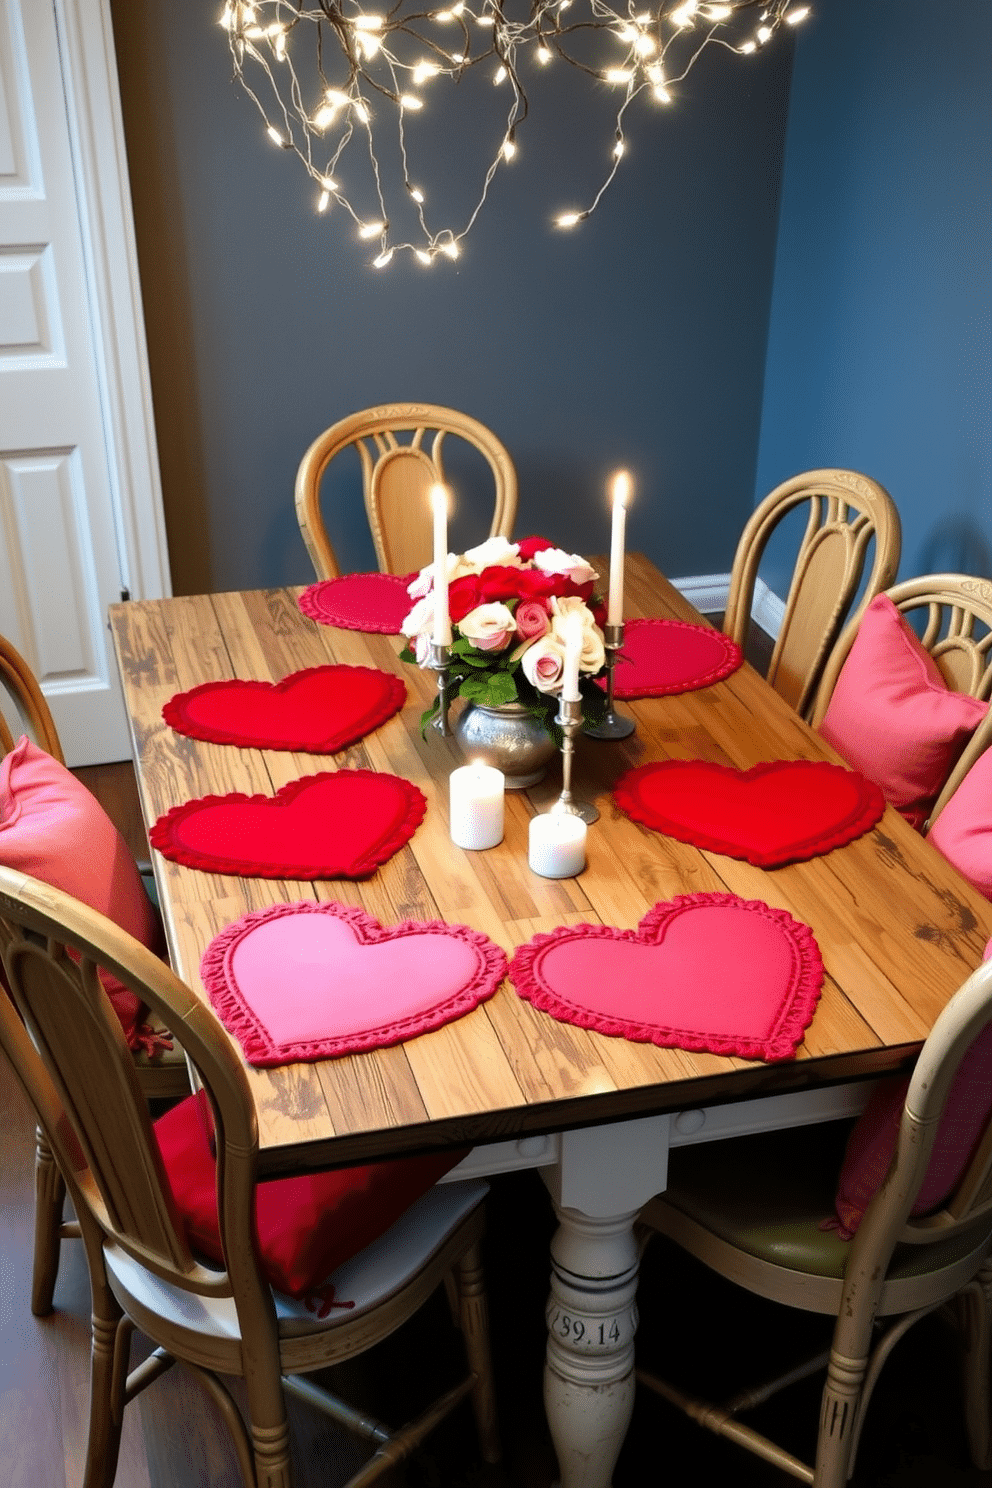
(307, 1226)
(892, 715)
(53, 828)
(963, 830)
(873, 1140)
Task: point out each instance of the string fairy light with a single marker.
(331, 77)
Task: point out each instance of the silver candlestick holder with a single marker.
(612, 725)
(569, 720)
(439, 660)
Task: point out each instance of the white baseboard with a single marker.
(708, 592)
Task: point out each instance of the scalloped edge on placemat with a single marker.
(161, 832)
(732, 658)
(782, 1044)
(175, 710)
(262, 1051)
(868, 809)
(314, 603)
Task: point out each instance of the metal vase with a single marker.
(508, 737)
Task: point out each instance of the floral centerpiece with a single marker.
(511, 607)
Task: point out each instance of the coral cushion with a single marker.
(892, 715)
(873, 1140)
(54, 829)
(307, 1226)
(963, 830)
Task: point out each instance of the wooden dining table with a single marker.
(897, 927)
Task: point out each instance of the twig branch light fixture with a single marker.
(332, 77)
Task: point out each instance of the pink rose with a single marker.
(543, 663)
(532, 620)
(489, 627)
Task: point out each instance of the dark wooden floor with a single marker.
(692, 1326)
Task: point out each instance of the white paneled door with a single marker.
(80, 508)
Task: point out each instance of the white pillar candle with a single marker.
(557, 845)
(442, 623)
(573, 651)
(621, 495)
(476, 806)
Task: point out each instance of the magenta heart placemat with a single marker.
(319, 710)
(313, 981)
(703, 971)
(660, 657)
(340, 825)
(374, 602)
(784, 811)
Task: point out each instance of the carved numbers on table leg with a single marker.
(589, 1373)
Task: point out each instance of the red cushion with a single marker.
(53, 828)
(963, 830)
(892, 715)
(873, 1140)
(307, 1226)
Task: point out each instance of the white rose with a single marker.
(543, 663)
(490, 627)
(420, 618)
(593, 653)
(423, 584)
(494, 551)
(572, 565)
(422, 648)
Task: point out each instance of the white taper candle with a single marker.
(442, 622)
(621, 495)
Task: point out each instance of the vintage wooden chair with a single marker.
(397, 476)
(957, 631)
(750, 1209)
(221, 1317)
(162, 1075)
(846, 510)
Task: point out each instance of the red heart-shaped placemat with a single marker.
(312, 981)
(660, 657)
(374, 602)
(703, 971)
(319, 710)
(340, 825)
(781, 812)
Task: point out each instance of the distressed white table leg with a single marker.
(604, 1176)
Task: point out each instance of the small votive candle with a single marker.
(476, 806)
(557, 845)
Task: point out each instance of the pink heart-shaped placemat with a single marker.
(784, 811)
(332, 825)
(312, 981)
(374, 602)
(319, 710)
(703, 971)
(660, 657)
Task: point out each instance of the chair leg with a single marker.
(838, 1420)
(111, 1340)
(975, 1315)
(474, 1318)
(49, 1197)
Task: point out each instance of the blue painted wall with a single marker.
(879, 344)
(638, 340)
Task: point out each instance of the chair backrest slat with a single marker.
(23, 706)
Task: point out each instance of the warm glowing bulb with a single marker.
(423, 257)
(764, 33)
(368, 43)
(383, 259)
(683, 15)
(793, 17)
(509, 149)
(568, 219)
(411, 101)
(626, 33)
(645, 46)
(748, 46)
(416, 193)
(543, 56)
(336, 98)
(617, 75)
(281, 46)
(661, 93)
(323, 201)
(324, 116)
(361, 112)
(227, 19)
(718, 12)
(274, 135)
(328, 184)
(619, 148)
(368, 23)
(499, 76)
(451, 249)
(371, 229)
(444, 16)
(485, 20)
(423, 71)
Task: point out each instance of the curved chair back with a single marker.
(23, 706)
(397, 476)
(957, 631)
(74, 1064)
(845, 511)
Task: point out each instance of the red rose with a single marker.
(532, 545)
(463, 595)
